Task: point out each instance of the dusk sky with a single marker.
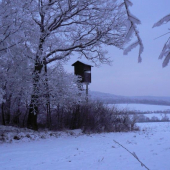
(126, 76)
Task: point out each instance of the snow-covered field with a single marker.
(142, 107)
(146, 108)
(73, 150)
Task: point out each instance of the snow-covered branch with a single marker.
(133, 21)
(165, 53)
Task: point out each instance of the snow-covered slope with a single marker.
(92, 152)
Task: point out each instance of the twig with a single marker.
(133, 154)
(162, 35)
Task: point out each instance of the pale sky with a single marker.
(126, 76)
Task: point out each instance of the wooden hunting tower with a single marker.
(83, 70)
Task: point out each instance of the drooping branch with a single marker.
(133, 29)
(165, 53)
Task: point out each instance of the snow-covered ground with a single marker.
(146, 108)
(142, 107)
(73, 150)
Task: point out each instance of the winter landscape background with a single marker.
(49, 119)
(71, 149)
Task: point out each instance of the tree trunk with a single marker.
(3, 116)
(39, 64)
(32, 116)
(48, 116)
(33, 108)
(25, 115)
(7, 110)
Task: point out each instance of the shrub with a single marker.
(94, 117)
(101, 118)
(91, 117)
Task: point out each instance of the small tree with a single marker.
(64, 91)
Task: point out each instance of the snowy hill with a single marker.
(111, 98)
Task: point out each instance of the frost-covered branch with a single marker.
(133, 21)
(165, 53)
(162, 21)
(69, 26)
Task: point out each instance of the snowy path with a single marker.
(92, 152)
